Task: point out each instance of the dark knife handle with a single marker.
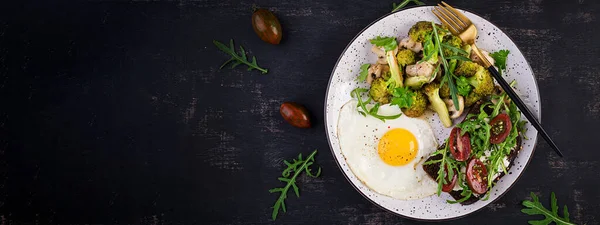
(515, 98)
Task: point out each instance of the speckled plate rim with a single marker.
(371, 200)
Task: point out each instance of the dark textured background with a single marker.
(116, 112)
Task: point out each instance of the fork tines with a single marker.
(451, 18)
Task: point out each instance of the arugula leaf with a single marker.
(297, 166)
(464, 88)
(388, 43)
(404, 3)
(356, 93)
(448, 76)
(402, 97)
(536, 208)
(429, 48)
(238, 59)
(500, 59)
(364, 72)
(455, 49)
(458, 57)
(445, 162)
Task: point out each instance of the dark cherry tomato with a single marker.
(450, 183)
(460, 145)
(295, 114)
(477, 176)
(266, 26)
(501, 127)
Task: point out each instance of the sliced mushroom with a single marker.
(412, 45)
(375, 71)
(420, 69)
(476, 58)
(380, 54)
(453, 112)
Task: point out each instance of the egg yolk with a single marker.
(397, 147)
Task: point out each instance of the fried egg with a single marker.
(387, 156)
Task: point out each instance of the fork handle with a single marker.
(511, 93)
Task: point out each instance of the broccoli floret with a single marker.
(386, 74)
(482, 82)
(467, 49)
(379, 91)
(453, 41)
(445, 90)
(479, 77)
(396, 79)
(467, 69)
(432, 90)
(416, 82)
(418, 107)
(381, 88)
(405, 57)
(421, 29)
(471, 99)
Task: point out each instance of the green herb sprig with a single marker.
(536, 208)
(404, 3)
(364, 72)
(237, 59)
(296, 167)
(362, 104)
(402, 97)
(464, 88)
(500, 59)
(388, 43)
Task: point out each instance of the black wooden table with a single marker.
(116, 112)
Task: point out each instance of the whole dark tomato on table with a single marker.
(295, 114)
(267, 26)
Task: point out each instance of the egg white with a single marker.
(359, 138)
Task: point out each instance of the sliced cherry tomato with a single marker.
(460, 145)
(477, 176)
(501, 127)
(450, 183)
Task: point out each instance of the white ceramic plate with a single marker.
(342, 81)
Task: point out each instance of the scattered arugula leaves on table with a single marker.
(500, 59)
(364, 72)
(289, 176)
(362, 104)
(535, 207)
(404, 3)
(388, 43)
(237, 59)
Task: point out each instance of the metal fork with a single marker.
(461, 26)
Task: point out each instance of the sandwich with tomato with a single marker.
(479, 150)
